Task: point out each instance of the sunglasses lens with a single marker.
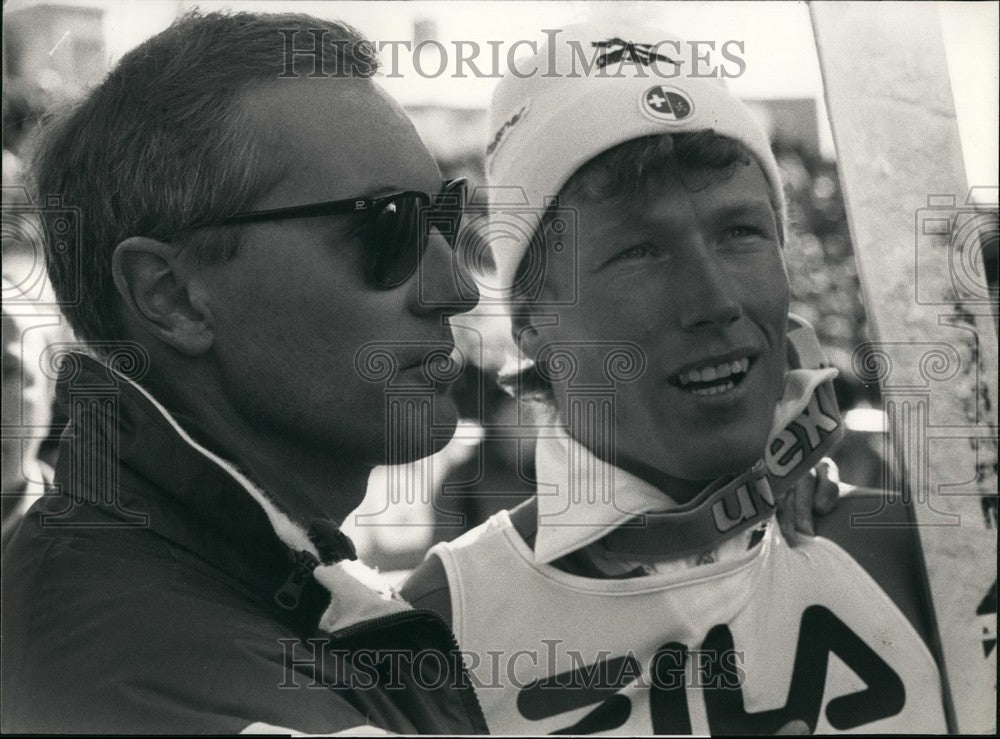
(394, 248)
(400, 230)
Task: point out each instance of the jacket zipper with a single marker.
(289, 593)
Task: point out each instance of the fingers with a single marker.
(816, 494)
(802, 501)
(827, 487)
(786, 519)
(794, 727)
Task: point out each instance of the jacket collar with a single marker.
(582, 499)
(154, 474)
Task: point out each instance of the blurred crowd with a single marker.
(490, 468)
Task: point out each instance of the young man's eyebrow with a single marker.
(754, 208)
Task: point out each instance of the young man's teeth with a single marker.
(715, 390)
(718, 372)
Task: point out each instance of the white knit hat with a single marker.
(588, 89)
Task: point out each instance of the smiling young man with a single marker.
(645, 589)
(240, 239)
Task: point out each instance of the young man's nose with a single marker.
(711, 298)
(442, 285)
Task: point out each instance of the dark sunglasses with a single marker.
(396, 229)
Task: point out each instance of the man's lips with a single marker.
(441, 364)
(423, 362)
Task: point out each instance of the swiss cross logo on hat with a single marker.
(668, 104)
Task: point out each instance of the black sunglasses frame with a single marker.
(450, 200)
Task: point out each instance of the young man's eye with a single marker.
(747, 237)
(639, 251)
(746, 232)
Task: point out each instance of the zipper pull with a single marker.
(288, 595)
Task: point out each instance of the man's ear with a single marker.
(153, 286)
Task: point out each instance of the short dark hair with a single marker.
(622, 172)
(162, 147)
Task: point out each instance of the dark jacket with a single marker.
(151, 592)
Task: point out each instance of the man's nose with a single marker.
(442, 284)
(712, 298)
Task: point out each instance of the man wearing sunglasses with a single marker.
(230, 245)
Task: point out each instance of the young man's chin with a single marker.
(719, 455)
(724, 464)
